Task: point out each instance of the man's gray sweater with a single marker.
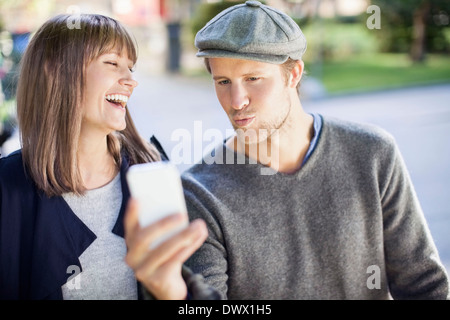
(347, 225)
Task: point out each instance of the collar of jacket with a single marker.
(61, 237)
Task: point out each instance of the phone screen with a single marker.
(157, 187)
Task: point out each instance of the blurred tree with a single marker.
(411, 26)
(208, 10)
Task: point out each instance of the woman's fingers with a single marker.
(159, 268)
(166, 281)
(139, 243)
(174, 250)
(201, 233)
(187, 239)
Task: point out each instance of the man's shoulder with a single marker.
(358, 133)
(210, 164)
(203, 172)
(217, 170)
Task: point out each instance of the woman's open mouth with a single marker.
(118, 100)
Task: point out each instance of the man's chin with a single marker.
(253, 136)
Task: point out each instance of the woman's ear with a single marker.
(296, 74)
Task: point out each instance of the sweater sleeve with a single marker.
(413, 266)
(211, 259)
(197, 288)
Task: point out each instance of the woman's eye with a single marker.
(253, 78)
(111, 62)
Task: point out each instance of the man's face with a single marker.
(254, 95)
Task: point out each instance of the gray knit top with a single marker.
(105, 275)
(347, 225)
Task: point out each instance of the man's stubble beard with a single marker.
(266, 130)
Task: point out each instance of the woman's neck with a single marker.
(96, 164)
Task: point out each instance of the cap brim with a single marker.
(275, 59)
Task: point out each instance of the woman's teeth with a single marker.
(117, 98)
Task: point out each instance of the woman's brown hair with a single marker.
(49, 96)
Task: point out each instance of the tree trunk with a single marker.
(418, 46)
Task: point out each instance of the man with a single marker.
(298, 205)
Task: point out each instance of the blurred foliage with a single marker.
(341, 36)
(9, 81)
(399, 21)
(331, 39)
(379, 71)
(8, 111)
(207, 11)
(327, 38)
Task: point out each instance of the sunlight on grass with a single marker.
(380, 71)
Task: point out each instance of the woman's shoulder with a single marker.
(11, 161)
(12, 170)
(159, 147)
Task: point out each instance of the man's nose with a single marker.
(239, 97)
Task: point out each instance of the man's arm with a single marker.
(210, 260)
(413, 265)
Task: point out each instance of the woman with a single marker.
(63, 195)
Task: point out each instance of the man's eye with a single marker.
(222, 82)
(253, 78)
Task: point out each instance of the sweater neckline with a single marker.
(266, 170)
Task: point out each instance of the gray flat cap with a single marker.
(251, 31)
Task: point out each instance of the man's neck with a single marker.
(285, 149)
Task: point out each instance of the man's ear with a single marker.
(296, 74)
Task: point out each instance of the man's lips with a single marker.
(244, 121)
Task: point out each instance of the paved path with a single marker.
(419, 119)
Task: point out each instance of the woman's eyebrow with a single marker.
(112, 53)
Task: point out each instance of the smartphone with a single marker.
(158, 189)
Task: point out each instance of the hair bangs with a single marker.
(106, 35)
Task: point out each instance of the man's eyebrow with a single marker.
(253, 73)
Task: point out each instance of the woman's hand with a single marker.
(159, 268)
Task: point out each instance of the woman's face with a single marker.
(109, 85)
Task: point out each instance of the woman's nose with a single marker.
(129, 82)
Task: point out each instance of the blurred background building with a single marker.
(154, 23)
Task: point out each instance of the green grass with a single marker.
(7, 109)
(380, 71)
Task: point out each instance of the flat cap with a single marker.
(251, 31)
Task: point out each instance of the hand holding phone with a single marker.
(158, 189)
